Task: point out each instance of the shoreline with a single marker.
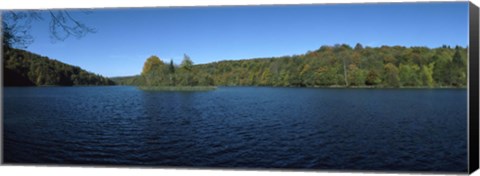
(354, 87)
(177, 88)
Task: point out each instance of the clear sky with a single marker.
(126, 37)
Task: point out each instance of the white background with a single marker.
(73, 171)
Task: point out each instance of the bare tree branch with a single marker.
(16, 27)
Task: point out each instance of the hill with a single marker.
(23, 68)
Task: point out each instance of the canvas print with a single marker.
(348, 87)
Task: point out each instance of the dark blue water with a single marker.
(242, 127)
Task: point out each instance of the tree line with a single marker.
(155, 72)
(23, 68)
(338, 65)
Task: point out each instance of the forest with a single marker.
(23, 68)
(329, 66)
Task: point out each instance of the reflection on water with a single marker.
(246, 127)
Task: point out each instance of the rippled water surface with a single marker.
(239, 127)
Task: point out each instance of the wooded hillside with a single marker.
(23, 68)
(339, 65)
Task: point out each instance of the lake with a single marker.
(238, 127)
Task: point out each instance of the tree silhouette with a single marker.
(16, 26)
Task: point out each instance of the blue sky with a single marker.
(126, 37)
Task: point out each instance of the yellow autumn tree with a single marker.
(152, 63)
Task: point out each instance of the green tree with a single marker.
(357, 76)
(458, 72)
(373, 78)
(186, 70)
(266, 77)
(442, 70)
(171, 74)
(187, 63)
(327, 76)
(306, 75)
(391, 75)
(408, 75)
(358, 47)
(427, 75)
(171, 67)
